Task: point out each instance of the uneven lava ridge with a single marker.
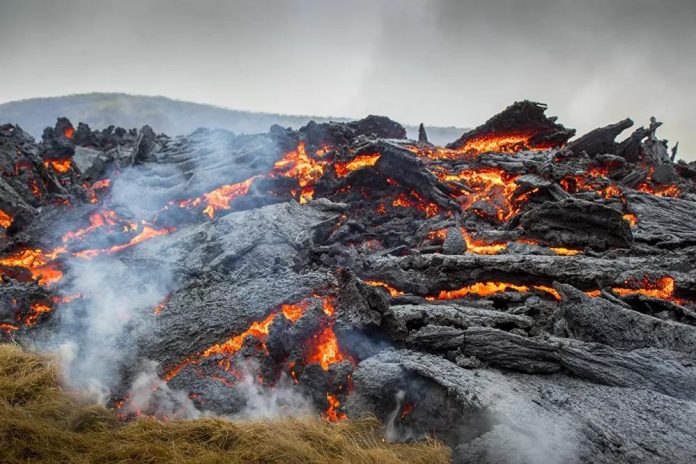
(517, 294)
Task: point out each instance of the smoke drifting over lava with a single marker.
(501, 293)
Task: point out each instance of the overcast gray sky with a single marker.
(441, 62)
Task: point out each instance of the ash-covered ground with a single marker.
(521, 294)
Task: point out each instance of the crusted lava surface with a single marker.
(517, 294)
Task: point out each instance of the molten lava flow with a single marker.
(37, 309)
(96, 220)
(332, 414)
(259, 330)
(659, 190)
(481, 247)
(69, 132)
(631, 218)
(489, 288)
(359, 162)
(324, 348)
(37, 262)
(293, 312)
(480, 289)
(392, 291)
(8, 327)
(219, 198)
(5, 219)
(565, 251)
(509, 142)
(147, 233)
(662, 287)
(61, 166)
(299, 165)
(550, 290)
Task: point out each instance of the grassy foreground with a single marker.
(40, 422)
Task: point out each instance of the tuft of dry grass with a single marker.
(41, 422)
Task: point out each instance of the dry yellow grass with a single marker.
(40, 422)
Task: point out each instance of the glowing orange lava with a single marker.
(359, 162)
(37, 309)
(299, 165)
(61, 166)
(631, 218)
(5, 219)
(509, 142)
(481, 247)
(392, 291)
(96, 220)
(324, 348)
(69, 132)
(147, 233)
(332, 414)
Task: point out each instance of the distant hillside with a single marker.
(172, 117)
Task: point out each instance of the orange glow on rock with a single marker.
(332, 414)
(37, 309)
(324, 348)
(69, 132)
(147, 233)
(392, 291)
(61, 166)
(481, 247)
(5, 219)
(359, 162)
(480, 289)
(631, 218)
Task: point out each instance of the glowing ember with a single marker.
(8, 327)
(158, 309)
(659, 190)
(631, 218)
(406, 410)
(359, 162)
(332, 414)
(5, 219)
(439, 234)
(392, 291)
(61, 166)
(37, 309)
(69, 132)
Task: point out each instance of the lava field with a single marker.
(520, 293)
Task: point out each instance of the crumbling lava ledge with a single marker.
(520, 295)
